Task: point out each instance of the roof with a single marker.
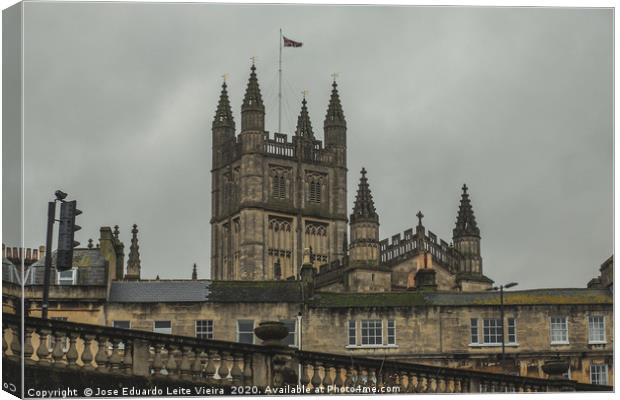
(415, 298)
(81, 258)
(172, 291)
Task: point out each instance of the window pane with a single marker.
(162, 327)
(391, 332)
(474, 330)
(596, 328)
(598, 374)
(512, 330)
(245, 330)
(491, 331)
(290, 339)
(204, 329)
(352, 332)
(121, 324)
(372, 332)
(559, 330)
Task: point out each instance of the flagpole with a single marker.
(280, 87)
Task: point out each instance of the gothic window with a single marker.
(279, 183)
(280, 247)
(316, 239)
(314, 187)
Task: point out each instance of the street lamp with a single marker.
(501, 310)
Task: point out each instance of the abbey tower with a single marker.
(272, 197)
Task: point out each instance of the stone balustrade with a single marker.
(101, 349)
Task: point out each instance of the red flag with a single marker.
(290, 43)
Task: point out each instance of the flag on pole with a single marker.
(290, 43)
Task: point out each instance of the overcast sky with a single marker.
(517, 103)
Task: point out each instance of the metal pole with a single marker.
(51, 211)
(280, 87)
(501, 310)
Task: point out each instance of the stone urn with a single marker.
(555, 368)
(271, 333)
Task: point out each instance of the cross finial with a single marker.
(334, 76)
(464, 188)
(420, 216)
(363, 171)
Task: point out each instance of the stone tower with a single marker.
(364, 248)
(272, 197)
(466, 237)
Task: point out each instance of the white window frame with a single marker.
(371, 326)
(564, 322)
(162, 330)
(73, 277)
(474, 332)
(603, 373)
(352, 329)
(597, 340)
(207, 331)
(293, 332)
(245, 332)
(491, 331)
(514, 327)
(390, 339)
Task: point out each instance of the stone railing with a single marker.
(101, 349)
(131, 352)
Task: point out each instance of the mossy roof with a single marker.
(421, 298)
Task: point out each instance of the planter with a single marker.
(271, 333)
(555, 368)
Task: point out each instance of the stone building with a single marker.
(283, 248)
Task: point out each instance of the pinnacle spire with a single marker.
(334, 116)
(364, 208)
(253, 99)
(133, 263)
(465, 220)
(304, 127)
(223, 114)
(194, 273)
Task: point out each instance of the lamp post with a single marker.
(501, 311)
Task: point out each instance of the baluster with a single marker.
(327, 379)
(410, 384)
(223, 370)
(372, 377)
(421, 386)
(304, 379)
(128, 357)
(236, 373)
(430, 381)
(5, 345)
(171, 363)
(449, 384)
(58, 353)
(247, 370)
(210, 368)
(457, 385)
(16, 347)
(72, 353)
(401, 381)
(87, 355)
(197, 364)
(466, 385)
(348, 382)
(338, 381)
(185, 366)
(158, 363)
(101, 358)
(316, 379)
(441, 385)
(115, 357)
(28, 349)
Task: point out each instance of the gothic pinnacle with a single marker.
(465, 220)
(335, 116)
(304, 127)
(364, 207)
(253, 99)
(223, 114)
(194, 272)
(133, 263)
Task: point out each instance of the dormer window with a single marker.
(68, 277)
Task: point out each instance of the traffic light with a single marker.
(66, 231)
